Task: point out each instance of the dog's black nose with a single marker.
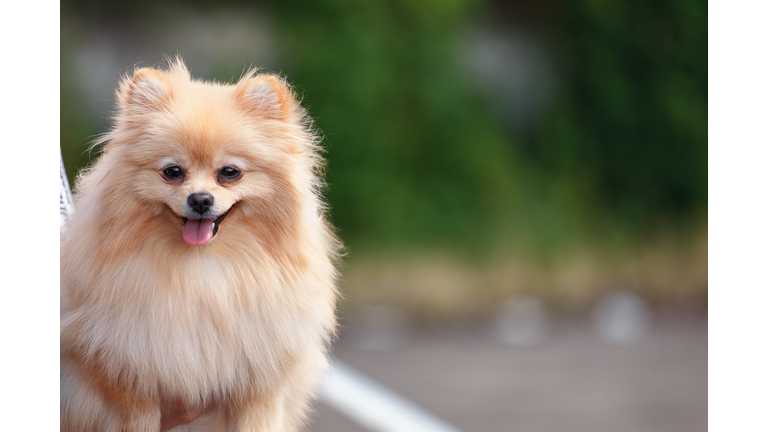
(200, 202)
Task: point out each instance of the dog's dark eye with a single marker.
(229, 173)
(172, 172)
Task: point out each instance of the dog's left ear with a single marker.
(268, 96)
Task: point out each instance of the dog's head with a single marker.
(199, 155)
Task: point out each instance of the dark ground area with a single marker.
(571, 381)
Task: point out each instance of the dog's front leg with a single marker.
(259, 414)
(90, 403)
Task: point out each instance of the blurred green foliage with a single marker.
(418, 157)
(415, 156)
(629, 125)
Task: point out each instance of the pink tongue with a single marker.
(198, 232)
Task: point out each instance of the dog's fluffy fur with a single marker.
(240, 323)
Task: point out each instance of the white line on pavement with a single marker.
(373, 405)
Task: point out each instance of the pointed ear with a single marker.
(267, 96)
(149, 90)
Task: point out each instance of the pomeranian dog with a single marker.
(198, 269)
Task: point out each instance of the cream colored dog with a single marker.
(197, 268)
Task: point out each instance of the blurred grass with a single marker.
(429, 174)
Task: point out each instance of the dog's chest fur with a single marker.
(200, 326)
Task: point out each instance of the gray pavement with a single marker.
(570, 381)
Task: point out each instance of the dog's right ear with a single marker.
(266, 95)
(148, 90)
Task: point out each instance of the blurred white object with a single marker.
(378, 327)
(621, 317)
(65, 194)
(373, 405)
(521, 321)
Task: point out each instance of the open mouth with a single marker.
(198, 232)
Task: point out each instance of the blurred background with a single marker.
(521, 187)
